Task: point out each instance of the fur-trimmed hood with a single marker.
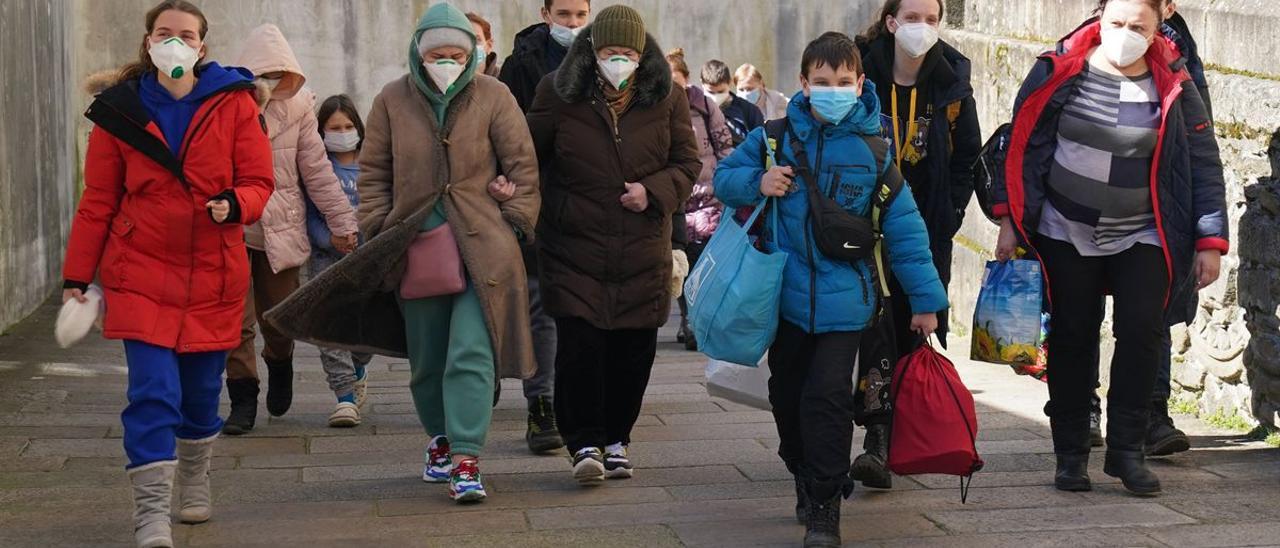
(576, 78)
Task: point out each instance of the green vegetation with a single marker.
(1238, 72)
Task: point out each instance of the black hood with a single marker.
(944, 66)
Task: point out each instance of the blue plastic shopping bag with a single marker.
(1008, 326)
(733, 294)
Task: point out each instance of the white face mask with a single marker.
(444, 73)
(564, 35)
(173, 57)
(720, 98)
(271, 83)
(916, 38)
(617, 70)
(1123, 47)
(341, 141)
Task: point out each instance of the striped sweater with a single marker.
(1099, 185)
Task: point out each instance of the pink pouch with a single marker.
(434, 266)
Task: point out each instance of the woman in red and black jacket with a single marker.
(1114, 180)
(178, 161)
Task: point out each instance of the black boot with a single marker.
(1126, 432)
(1071, 441)
(542, 434)
(822, 526)
(244, 406)
(279, 387)
(870, 468)
(802, 502)
(1163, 438)
(1073, 473)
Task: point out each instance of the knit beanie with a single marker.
(618, 26)
(444, 36)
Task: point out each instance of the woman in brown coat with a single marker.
(435, 140)
(616, 144)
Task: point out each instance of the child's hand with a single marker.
(501, 189)
(924, 324)
(777, 182)
(344, 244)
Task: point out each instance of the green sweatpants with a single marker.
(451, 368)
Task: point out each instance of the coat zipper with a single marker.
(808, 243)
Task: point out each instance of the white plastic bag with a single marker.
(75, 319)
(743, 385)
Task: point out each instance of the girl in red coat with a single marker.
(178, 162)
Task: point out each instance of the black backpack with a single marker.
(988, 169)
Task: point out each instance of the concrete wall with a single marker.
(1002, 37)
(38, 163)
(357, 46)
(48, 47)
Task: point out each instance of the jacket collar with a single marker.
(945, 68)
(865, 121)
(1166, 64)
(576, 78)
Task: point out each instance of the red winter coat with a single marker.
(172, 277)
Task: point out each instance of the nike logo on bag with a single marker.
(847, 246)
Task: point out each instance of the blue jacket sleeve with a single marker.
(907, 241)
(737, 179)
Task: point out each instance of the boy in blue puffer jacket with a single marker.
(827, 303)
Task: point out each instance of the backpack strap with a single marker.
(773, 132)
(888, 185)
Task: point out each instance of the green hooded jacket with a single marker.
(441, 15)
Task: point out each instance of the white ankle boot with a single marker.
(193, 479)
(152, 489)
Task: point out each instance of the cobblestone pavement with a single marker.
(707, 473)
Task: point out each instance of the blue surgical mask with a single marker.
(833, 103)
(751, 96)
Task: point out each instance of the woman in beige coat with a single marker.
(278, 243)
(435, 140)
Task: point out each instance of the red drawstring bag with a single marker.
(935, 424)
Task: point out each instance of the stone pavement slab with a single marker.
(708, 473)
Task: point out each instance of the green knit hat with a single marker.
(618, 26)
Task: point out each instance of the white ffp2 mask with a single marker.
(173, 57)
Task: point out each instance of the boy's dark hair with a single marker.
(344, 104)
(715, 72)
(833, 49)
(546, 4)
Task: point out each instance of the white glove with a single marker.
(679, 271)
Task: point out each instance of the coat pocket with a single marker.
(115, 258)
(235, 271)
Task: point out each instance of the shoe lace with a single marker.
(467, 470)
(542, 419)
(439, 453)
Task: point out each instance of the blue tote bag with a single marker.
(733, 293)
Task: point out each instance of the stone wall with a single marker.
(48, 47)
(38, 163)
(1002, 37)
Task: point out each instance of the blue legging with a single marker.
(171, 396)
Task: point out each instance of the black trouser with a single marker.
(601, 376)
(1138, 280)
(886, 341)
(811, 390)
(692, 251)
(1162, 389)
